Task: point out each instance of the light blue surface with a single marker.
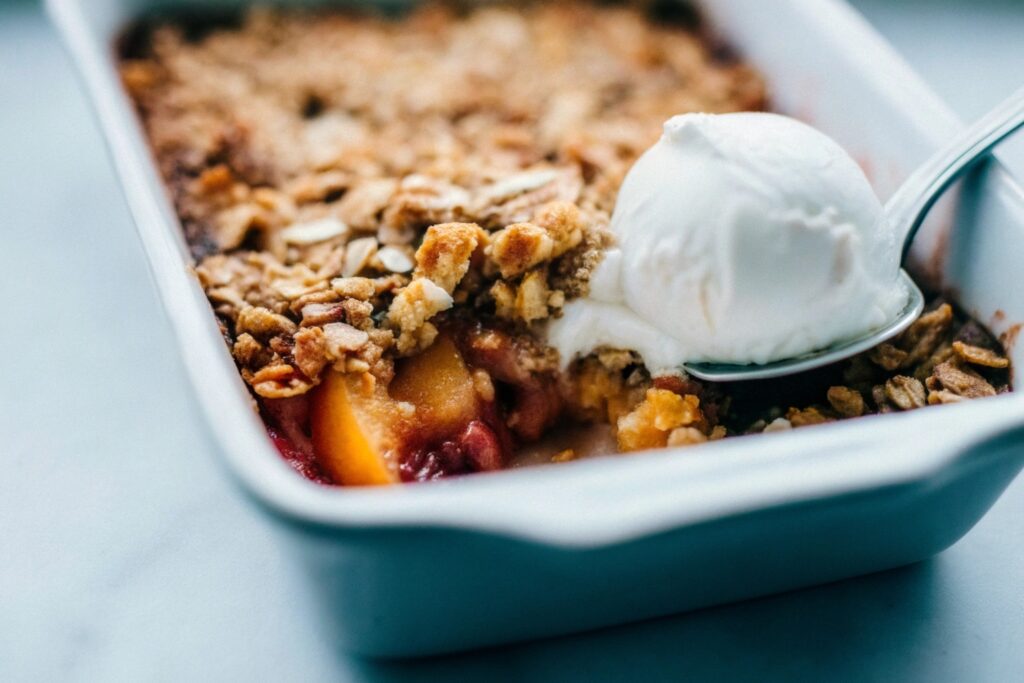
(126, 555)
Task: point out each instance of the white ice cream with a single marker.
(740, 238)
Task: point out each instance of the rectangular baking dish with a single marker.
(495, 558)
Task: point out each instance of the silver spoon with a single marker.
(905, 210)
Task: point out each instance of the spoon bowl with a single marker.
(731, 372)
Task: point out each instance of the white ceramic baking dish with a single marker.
(514, 555)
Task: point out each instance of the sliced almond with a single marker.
(435, 297)
(342, 338)
(395, 260)
(312, 232)
(395, 235)
(290, 289)
(517, 184)
(358, 254)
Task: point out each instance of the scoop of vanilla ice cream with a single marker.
(739, 238)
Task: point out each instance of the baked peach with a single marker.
(429, 422)
(353, 424)
(441, 387)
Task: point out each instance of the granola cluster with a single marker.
(346, 179)
(612, 386)
(942, 358)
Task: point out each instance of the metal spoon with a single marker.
(905, 210)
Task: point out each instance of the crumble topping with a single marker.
(661, 417)
(355, 187)
(444, 255)
(845, 401)
(942, 358)
(410, 310)
(325, 177)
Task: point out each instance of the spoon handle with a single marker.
(909, 205)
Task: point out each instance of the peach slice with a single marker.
(441, 387)
(357, 427)
(353, 427)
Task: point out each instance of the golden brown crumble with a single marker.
(411, 310)
(846, 401)
(958, 360)
(354, 186)
(445, 253)
(520, 246)
(310, 160)
(662, 416)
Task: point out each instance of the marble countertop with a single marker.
(127, 555)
